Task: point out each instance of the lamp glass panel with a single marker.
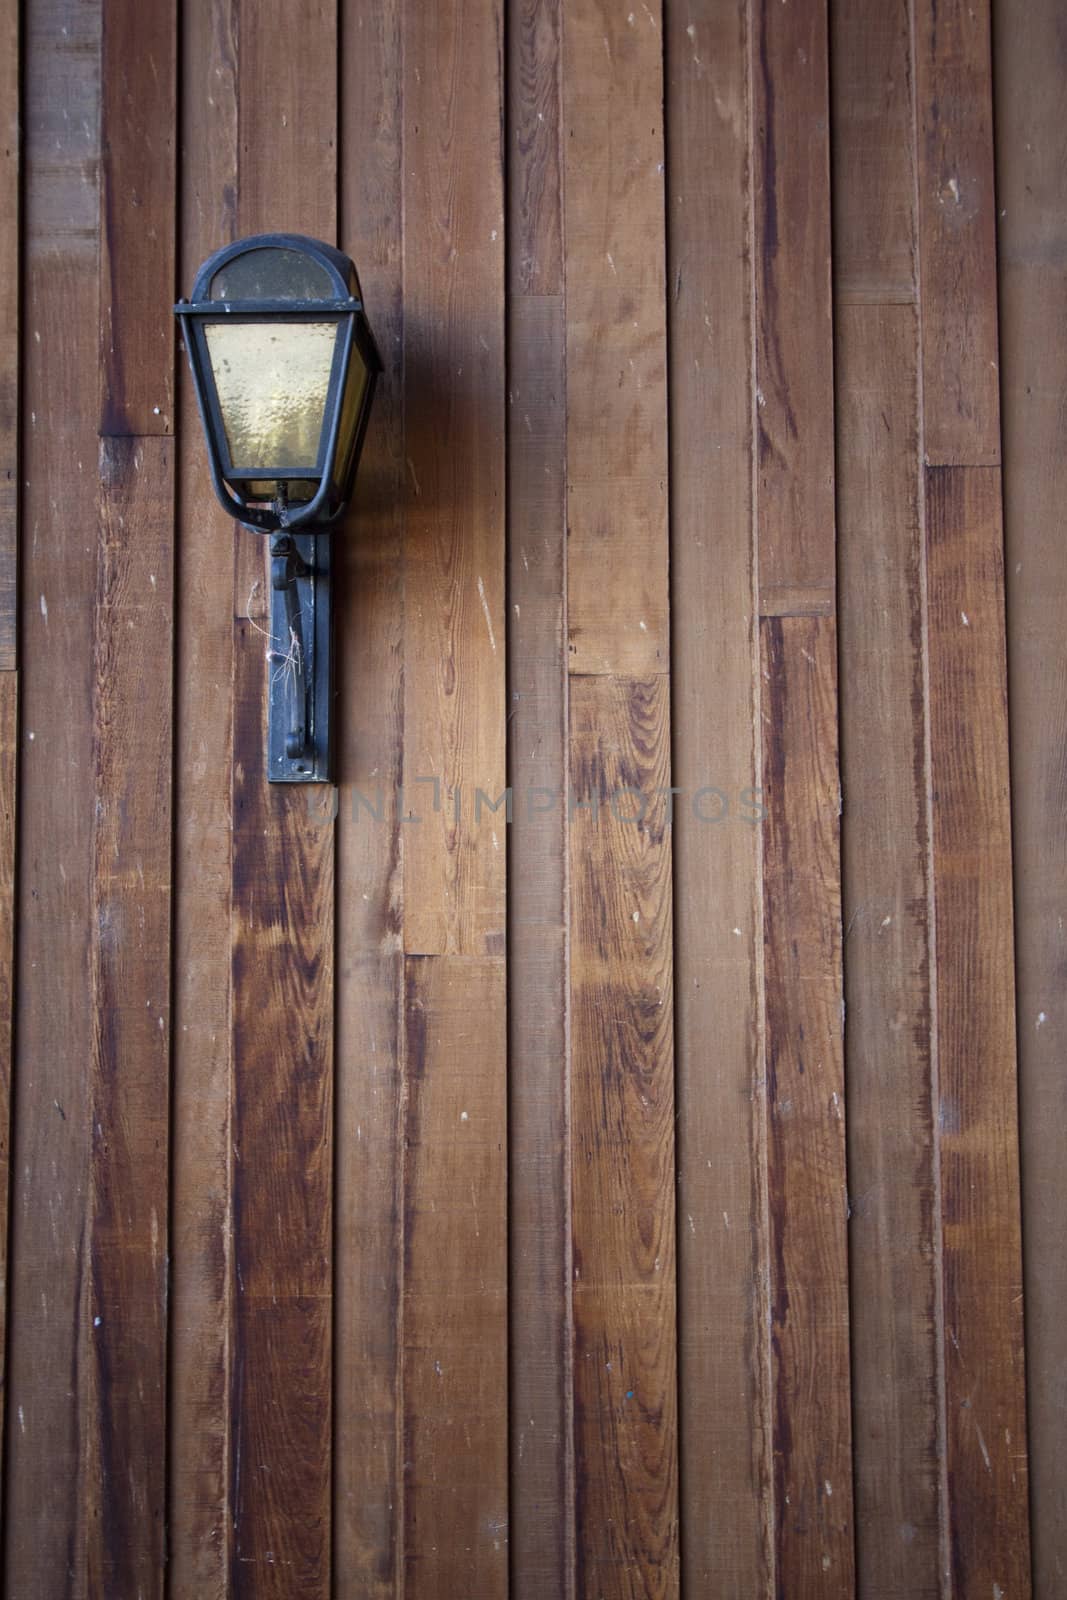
(272, 380)
(271, 273)
(351, 410)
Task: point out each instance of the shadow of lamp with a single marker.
(284, 366)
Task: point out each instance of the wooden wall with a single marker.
(611, 1191)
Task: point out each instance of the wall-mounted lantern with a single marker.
(284, 365)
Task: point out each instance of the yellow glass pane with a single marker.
(352, 405)
(271, 379)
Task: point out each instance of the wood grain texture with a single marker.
(200, 1517)
(368, 1476)
(139, 127)
(540, 1309)
(894, 1234)
(794, 351)
(874, 157)
(129, 1065)
(10, 142)
(9, 706)
(282, 936)
(726, 1490)
(48, 1336)
(1031, 83)
(455, 1428)
(454, 422)
(805, 1088)
(794, 487)
(957, 233)
(897, 1359)
(282, 1120)
(625, 1358)
(616, 341)
(977, 1113)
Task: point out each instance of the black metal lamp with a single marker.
(284, 366)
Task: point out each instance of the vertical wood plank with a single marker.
(894, 1238)
(10, 142)
(283, 933)
(368, 1481)
(129, 1065)
(138, 234)
(9, 691)
(622, 1098)
(723, 1261)
(282, 1130)
(455, 1278)
(200, 1513)
(44, 1523)
(894, 1234)
(977, 1114)
(454, 419)
(794, 350)
(10, 281)
(985, 1446)
(1031, 120)
(623, 1153)
(455, 1170)
(540, 1310)
(805, 1088)
(801, 899)
(616, 344)
(957, 229)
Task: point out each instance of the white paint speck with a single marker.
(488, 618)
(44, 608)
(965, 619)
(1042, 1018)
(97, 1321)
(464, 1116)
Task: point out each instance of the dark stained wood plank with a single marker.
(283, 932)
(794, 353)
(894, 1236)
(957, 232)
(723, 1262)
(454, 1338)
(625, 1359)
(9, 694)
(10, 140)
(455, 1430)
(540, 1309)
(897, 1371)
(200, 1517)
(282, 1121)
(137, 225)
(49, 1333)
(368, 1477)
(803, 1019)
(805, 1090)
(129, 1064)
(454, 422)
(1031, 115)
(616, 343)
(975, 1021)
(874, 162)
